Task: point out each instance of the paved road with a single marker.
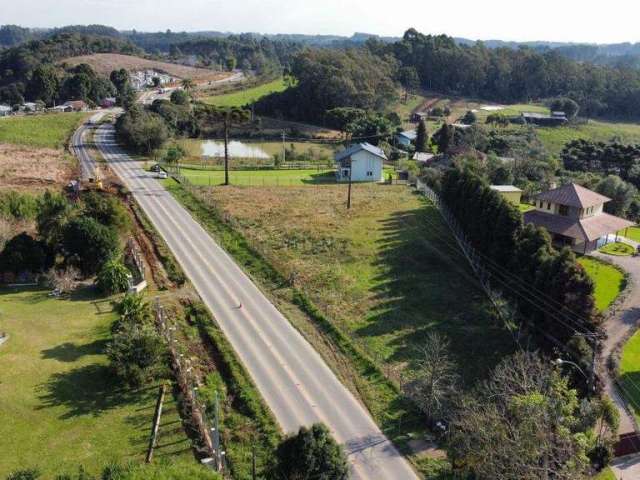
(297, 385)
(626, 319)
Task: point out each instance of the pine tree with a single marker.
(422, 137)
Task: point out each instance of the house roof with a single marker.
(353, 149)
(423, 157)
(505, 188)
(573, 195)
(410, 134)
(587, 229)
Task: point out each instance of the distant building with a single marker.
(423, 157)
(76, 105)
(508, 192)
(406, 138)
(61, 109)
(5, 110)
(574, 217)
(29, 107)
(108, 102)
(362, 163)
(554, 120)
(417, 116)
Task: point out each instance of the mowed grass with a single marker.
(247, 96)
(629, 371)
(618, 248)
(260, 177)
(385, 272)
(608, 281)
(606, 474)
(60, 407)
(46, 130)
(632, 232)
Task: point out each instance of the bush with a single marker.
(54, 211)
(133, 310)
(18, 206)
(136, 353)
(30, 474)
(89, 244)
(24, 254)
(312, 453)
(113, 277)
(107, 210)
(180, 97)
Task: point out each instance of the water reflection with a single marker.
(212, 148)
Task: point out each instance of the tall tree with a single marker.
(422, 137)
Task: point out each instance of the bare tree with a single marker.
(434, 382)
(64, 281)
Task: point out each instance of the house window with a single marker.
(369, 174)
(548, 206)
(345, 173)
(563, 210)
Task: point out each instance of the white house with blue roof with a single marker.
(362, 162)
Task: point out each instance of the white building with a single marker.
(4, 110)
(362, 163)
(406, 138)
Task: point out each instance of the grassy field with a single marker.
(47, 130)
(59, 404)
(244, 97)
(385, 271)
(618, 248)
(630, 372)
(632, 232)
(260, 177)
(608, 280)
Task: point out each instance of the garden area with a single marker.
(618, 248)
(58, 394)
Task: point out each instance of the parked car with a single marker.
(162, 174)
(155, 168)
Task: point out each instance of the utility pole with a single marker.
(216, 434)
(349, 194)
(284, 149)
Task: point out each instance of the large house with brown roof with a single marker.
(574, 216)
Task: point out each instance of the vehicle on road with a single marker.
(162, 175)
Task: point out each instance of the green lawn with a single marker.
(606, 474)
(630, 372)
(244, 97)
(59, 404)
(608, 280)
(525, 207)
(46, 130)
(618, 248)
(260, 177)
(632, 232)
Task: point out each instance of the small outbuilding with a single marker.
(406, 138)
(360, 163)
(5, 110)
(423, 157)
(77, 105)
(509, 192)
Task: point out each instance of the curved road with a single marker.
(295, 382)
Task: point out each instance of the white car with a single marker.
(162, 174)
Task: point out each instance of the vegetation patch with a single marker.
(632, 232)
(247, 96)
(28, 168)
(608, 281)
(57, 387)
(629, 371)
(42, 131)
(260, 177)
(618, 248)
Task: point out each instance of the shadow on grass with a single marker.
(87, 390)
(630, 382)
(321, 178)
(71, 352)
(426, 285)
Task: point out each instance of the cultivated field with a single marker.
(59, 404)
(41, 131)
(24, 168)
(105, 63)
(244, 97)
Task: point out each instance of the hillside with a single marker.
(105, 63)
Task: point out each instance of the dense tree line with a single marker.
(29, 70)
(514, 75)
(606, 158)
(526, 253)
(329, 79)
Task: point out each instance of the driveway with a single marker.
(625, 319)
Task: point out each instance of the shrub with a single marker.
(89, 244)
(312, 453)
(136, 353)
(54, 211)
(107, 210)
(30, 474)
(113, 277)
(133, 310)
(19, 206)
(24, 254)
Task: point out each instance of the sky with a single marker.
(590, 21)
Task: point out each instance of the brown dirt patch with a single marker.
(105, 63)
(27, 168)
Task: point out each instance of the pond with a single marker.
(212, 148)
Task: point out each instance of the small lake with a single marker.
(211, 148)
